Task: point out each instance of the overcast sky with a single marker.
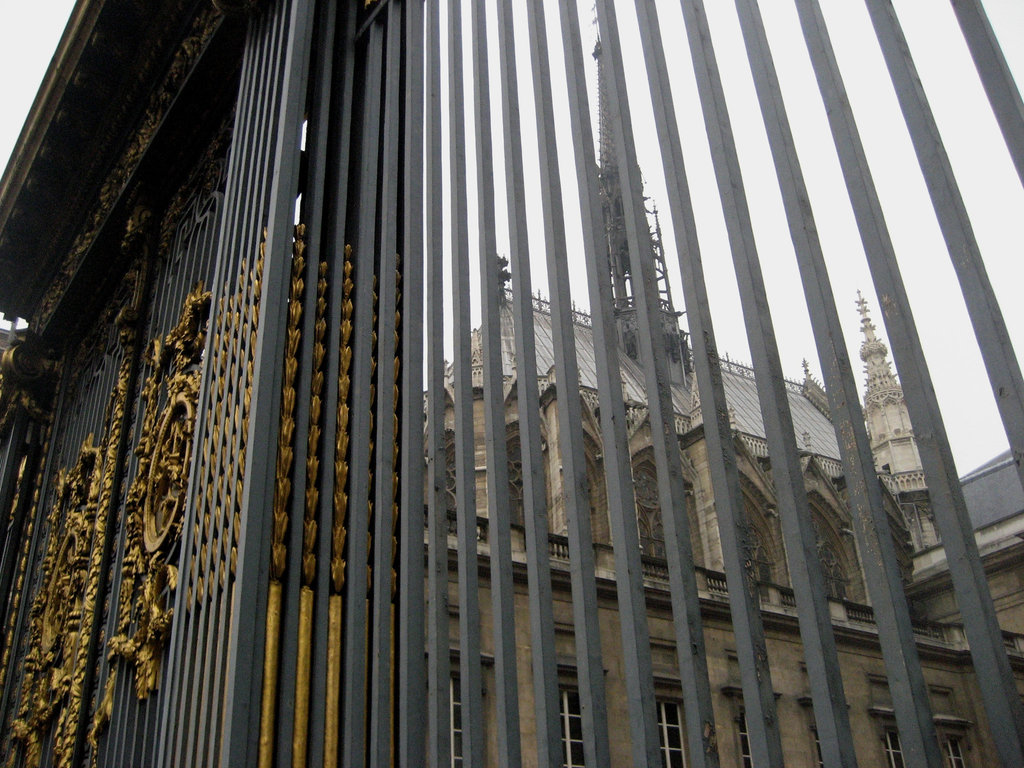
(29, 33)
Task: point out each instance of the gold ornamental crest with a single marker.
(57, 611)
(157, 498)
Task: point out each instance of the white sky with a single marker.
(29, 33)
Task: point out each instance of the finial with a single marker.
(866, 325)
(807, 369)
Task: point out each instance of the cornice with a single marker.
(94, 97)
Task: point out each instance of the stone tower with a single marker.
(893, 444)
(618, 252)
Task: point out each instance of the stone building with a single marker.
(941, 643)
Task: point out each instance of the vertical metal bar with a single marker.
(498, 509)
(412, 686)
(21, 501)
(988, 652)
(246, 193)
(439, 662)
(16, 450)
(993, 339)
(538, 564)
(933, 445)
(470, 676)
(758, 697)
(1002, 91)
(244, 670)
(671, 492)
(830, 707)
(379, 748)
(717, 429)
(593, 704)
(327, 635)
(321, 201)
(244, 172)
(364, 243)
(108, 530)
(228, 474)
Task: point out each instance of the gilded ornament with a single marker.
(155, 504)
(338, 531)
(58, 610)
(282, 494)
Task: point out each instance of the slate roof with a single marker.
(993, 491)
(813, 429)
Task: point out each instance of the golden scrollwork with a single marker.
(155, 504)
(57, 666)
(58, 609)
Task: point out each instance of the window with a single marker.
(954, 752)
(572, 728)
(893, 751)
(455, 712)
(832, 568)
(648, 509)
(746, 758)
(759, 558)
(817, 748)
(670, 730)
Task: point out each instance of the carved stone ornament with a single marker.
(155, 505)
(27, 376)
(57, 611)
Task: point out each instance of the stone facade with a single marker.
(955, 698)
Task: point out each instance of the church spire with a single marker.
(885, 410)
(881, 382)
(611, 193)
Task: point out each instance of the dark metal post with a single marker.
(1002, 91)
(412, 682)
(363, 236)
(933, 445)
(758, 699)
(470, 673)
(498, 508)
(538, 566)
(438, 660)
(245, 664)
(576, 492)
(381, 727)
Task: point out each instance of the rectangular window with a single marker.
(954, 753)
(893, 751)
(746, 758)
(572, 728)
(455, 713)
(670, 730)
(817, 748)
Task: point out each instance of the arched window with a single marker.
(832, 569)
(449, 474)
(760, 561)
(648, 511)
(515, 479)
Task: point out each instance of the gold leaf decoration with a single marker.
(155, 503)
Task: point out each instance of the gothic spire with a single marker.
(619, 266)
(880, 379)
(885, 410)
